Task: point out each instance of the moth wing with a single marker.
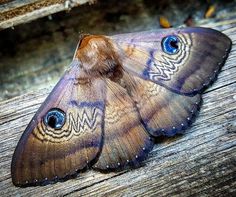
(126, 141)
(44, 154)
(201, 53)
(162, 111)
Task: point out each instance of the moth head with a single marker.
(97, 54)
(170, 44)
(55, 118)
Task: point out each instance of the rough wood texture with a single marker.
(16, 12)
(199, 163)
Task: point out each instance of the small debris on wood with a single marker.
(164, 22)
(210, 11)
(189, 21)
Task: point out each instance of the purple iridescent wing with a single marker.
(183, 60)
(65, 135)
(166, 70)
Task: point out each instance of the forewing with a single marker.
(46, 154)
(201, 53)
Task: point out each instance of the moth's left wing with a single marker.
(65, 135)
(183, 60)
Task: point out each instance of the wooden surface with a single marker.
(202, 162)
(21, 11)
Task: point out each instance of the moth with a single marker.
(118, 94)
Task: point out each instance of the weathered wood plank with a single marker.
(201, 162)
(21, 11)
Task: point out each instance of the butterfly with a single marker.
(119, 93)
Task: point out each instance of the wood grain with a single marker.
(17, 11)
(201, 162)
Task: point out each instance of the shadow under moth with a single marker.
(119, 93)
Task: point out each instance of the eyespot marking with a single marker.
(170, 44)
(55, 118)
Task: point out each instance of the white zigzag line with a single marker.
(85, 121)
(165, 69)
(169, 66)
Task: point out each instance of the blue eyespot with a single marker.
(170, 44)
(55, 118)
